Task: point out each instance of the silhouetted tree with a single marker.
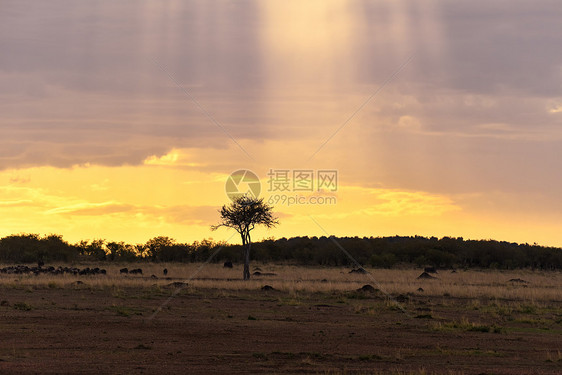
(95, 249)
(157, 245)
(141, 249)
(243, 214)
(121, 251)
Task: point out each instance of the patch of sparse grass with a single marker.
(356, 295)
(477, 328)
(22, 306)
(499, 310)
(154, 291)
(541, 330)
(370, 357)
(420, 371)
(75, 307)
(308, 361)
(527, 309)
(556, 357)
(464, 352)
(533, 321)
(143, 347)
(474, 305)
(288, 355)
(393, 305)
(424, 316)
(118, 293)
(483, 353)
(125, 311)
(290, 301)
(465, 325)
(367, 310)
(260, 355)
(314, 355)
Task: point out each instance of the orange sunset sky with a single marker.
(123, 120)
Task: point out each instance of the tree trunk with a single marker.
(247, 246)
(247, 262)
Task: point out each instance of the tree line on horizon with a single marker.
(379, 252)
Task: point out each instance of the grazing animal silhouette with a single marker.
(227, 264)
(358, 270)
(124, 270)
(165, 271)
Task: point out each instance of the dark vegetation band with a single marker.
(385, 252)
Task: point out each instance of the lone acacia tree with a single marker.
(243, 214)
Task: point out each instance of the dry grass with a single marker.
(420, 371)
(540, 286)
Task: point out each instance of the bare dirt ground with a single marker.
(82, 329)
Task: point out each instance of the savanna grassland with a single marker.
(202, 319)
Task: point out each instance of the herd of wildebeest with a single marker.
(20, 270)
(50, 270)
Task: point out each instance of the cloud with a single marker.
(181, 214)
(92, 93)
(554, 106)
(16, 203)
(409, 123)
(91, 209)
(174, 158)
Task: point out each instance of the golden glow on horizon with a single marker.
(134, 204)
